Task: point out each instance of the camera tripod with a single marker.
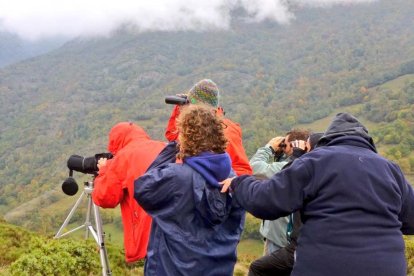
(97, 234)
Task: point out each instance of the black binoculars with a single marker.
(176, 99)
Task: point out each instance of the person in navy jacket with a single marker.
(355, 204)
(196, 228)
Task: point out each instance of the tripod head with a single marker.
(70, 187)
(88, 187)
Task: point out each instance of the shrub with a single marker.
(58, 257)
(251, 228)
(409, 253)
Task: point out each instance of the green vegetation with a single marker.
(396, 127)
(388, 113)
(247, 251)
(271, 77)
(14, 49)
(26, 253)
(251, 228)
(409, 252)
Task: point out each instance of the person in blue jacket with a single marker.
(355, 204)
(196, 228)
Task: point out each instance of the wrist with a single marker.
(269, 146)
(232, 187)
(298, 152)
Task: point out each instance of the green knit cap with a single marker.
(204, 91)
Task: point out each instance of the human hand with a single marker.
(275, 142)
(226, 184)
(182, 95)
(101, 162)
(299, 144)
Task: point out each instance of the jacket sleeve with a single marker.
(155, 191)
(239, 160)
(167, 155)
(108, 188)
(407, 208)
(171, 133)
(262, 165)
(279, 196)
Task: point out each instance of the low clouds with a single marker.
(45, 18)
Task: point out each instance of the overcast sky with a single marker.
(33, 19)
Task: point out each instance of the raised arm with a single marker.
(279, 196)
(239, 160)
(171, 132)
(262, 163)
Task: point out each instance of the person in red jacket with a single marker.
(133, 152)
(207, 92)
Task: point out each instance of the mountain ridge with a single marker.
(271, 78)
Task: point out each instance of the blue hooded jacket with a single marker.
(355, 205)
(195, 228)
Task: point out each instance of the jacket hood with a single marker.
(344, 124)
(211, 204)
(124, 133)
(213, 167)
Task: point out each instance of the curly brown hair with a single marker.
(200, 130)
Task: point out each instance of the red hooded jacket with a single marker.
(134, 152)
(233, 133)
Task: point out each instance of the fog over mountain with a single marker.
(34, 20)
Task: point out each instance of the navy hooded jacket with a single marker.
(355, 205)
(195, 228)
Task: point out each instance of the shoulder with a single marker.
(180, 171)
(170, 171)
(176, 168)
(319, 157)
(395, 170)
(231, 127)
(165, 175)
(231, 123)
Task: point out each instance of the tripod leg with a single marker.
(88, 223)
(65, 223)
(98, 235)
(101, 242)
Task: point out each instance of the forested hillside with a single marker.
(14, 49)
(272, 77)
(387, 110)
